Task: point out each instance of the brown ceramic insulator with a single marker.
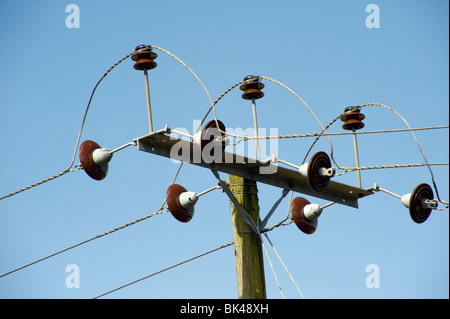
(305, 225)
(317, 182)
(86, 152)
(352, 120)
(252, 90)
(209, 133)
(173, 202)
(144, 58)
(418, 213)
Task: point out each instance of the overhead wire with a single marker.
(215, 118)
(281, 223)
(78, 167)
(273, 270)
(302, 135)
(285, 267)
(163, 270)
(324, 133)
(69, 169)
(417, 142)
(198, 256)
(409, 129)
(160, 211)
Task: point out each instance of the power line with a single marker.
(317, 135)
(273, 270)
(165, 269)
(349, 169)
(284, 265)
(288, 136)
(160, 211)
(198, 256)
(69, 169)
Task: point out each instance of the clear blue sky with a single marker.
(320, 49)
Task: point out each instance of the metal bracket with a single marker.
(183, 150)
(247, 218)
(269, 214)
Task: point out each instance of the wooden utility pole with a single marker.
(241, 187)
(247, 245)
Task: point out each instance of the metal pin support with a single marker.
(255, 123)
(149, 107)
(355, 146)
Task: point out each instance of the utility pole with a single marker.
(247, 245)
(311, 178)
(243, 174)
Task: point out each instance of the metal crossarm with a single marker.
(183, 150)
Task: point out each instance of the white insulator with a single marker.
(102, 156)
(312, 211)
(303, 169)
(406, 199)
(328, 172)
(428, 203)
(188, 199)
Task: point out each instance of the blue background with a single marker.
(320, 49)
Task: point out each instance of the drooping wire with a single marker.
(409, 129)
(417, 142)
(212, 108)
(324, 132)
(324, 129)
(69, 169)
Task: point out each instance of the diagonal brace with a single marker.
(269, 214)
(236, 204)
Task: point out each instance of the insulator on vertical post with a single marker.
(352, 119)
(144, 57)
(252, 91)
(252, 88)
